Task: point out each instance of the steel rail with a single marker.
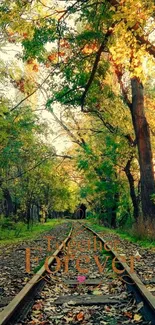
(21, 300)
(140, 291)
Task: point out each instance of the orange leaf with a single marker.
(37, 306)
(47, 65)
(61, 53)
(128, 314)
(80, 316)
(107, 308)
(11, 40)
(25, 35)
(64, 43)
(52, 57)
(29, 61)
(20, 84)
(10, 33)
(35, 68)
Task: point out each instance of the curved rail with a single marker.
(25, 298)
(29, 290)
(142, 294)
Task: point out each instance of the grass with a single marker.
(20, 233)
(108, 262)
(131, 236)
(37, 268)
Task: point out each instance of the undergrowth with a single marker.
(142, 234)
(16, 232)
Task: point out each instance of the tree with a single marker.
(107, 37)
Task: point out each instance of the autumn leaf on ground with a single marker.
(128, 314)
(107, 308)
(137, 317)
(37, 306)
(33, 322)
(80, 316)
(37, 313)
(139, 306)
(68, 319)
(97, 292)
(36, 321)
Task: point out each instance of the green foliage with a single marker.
(89, 59)
(34, 48)
(83, 164)
(88, 35)
(20, 232)
(127, 234)
(28, 169)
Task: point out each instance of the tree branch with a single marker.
(94, 69)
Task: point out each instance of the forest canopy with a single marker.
(90, 66)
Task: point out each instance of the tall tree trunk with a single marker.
(142, 133)
(28, 215)
(8, 202)
(114, 210)
(134, 198)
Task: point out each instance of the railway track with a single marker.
(144, 264)
(85, 281)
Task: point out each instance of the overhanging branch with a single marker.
(95, 66)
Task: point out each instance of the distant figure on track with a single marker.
(83, 211)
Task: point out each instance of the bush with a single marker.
(6, 223)
(9, 228)
(144, 230)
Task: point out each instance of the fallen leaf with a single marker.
(97, 292)
(107, 308)
(139, 306)
(137, 317)
(128, 314)
(37, 306)
(137, 255)
(36, 312)
(80, 316)
(33, 322)
(68, 319)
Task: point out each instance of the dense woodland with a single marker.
(91, 65)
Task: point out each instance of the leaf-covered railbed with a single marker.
(131, 250)
(14, 272)
(62, 302)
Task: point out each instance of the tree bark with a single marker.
(142, 133)
(8, 202)
(28, 215)
(132, 189)
(114, 210)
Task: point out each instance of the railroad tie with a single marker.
(88, 300)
